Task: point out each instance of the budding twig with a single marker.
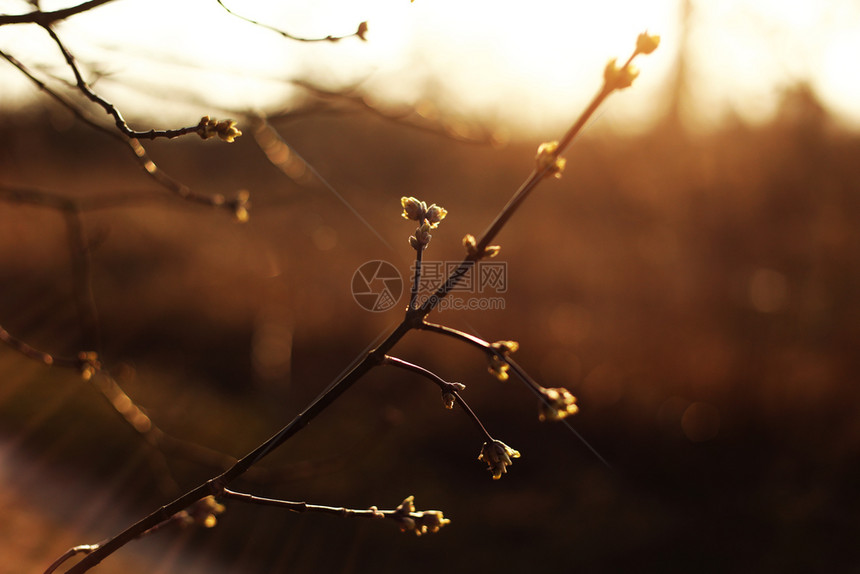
(108, 107)
(405, 515)
(450, 391)
(360, 32)
(496, 454)
(237, 205)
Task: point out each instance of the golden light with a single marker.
(527, 65)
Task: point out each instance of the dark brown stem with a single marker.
(457, 334)
(82, 549)
(444, 385)
(48, 18)
(217, 486)
(138, 151)
(488, 349)
(108, 107)
(417, 280)
(301, 507)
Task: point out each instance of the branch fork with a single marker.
(558, 403)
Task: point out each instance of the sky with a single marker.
(527, 66)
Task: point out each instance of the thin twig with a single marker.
(76, 111)
(301, 507)
(359, 33)
(82, 549)
(444, 385)
(217, 485)
(134, 146)
(488, 348)
(457, 334)
(405, 515)
(108, 107)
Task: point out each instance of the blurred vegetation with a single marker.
(696, 292)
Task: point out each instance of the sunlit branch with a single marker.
(202, 512)
(301, 507)
(110, 108)
(405, 515)
(549, 169)
(76, 111)
(539, 174)
(359, 33)
(495, 453)
(237, 205)
(71, 552)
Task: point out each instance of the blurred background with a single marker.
(692, 279)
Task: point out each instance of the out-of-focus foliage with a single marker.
(698, 295)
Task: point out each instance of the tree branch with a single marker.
(450, 391)
(238, 205)
(359, 33)
(497, 455)
(48, 18)
(404, 515)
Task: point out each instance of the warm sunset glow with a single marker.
(525, 65)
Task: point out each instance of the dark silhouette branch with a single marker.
(238, 205)
(496, 454)
(47, 18)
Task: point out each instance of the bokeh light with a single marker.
(526, 67)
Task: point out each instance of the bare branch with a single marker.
(495, 453)
(48, 18)
(405, 515)
(360, 32)
(76, 111)
(112, 110)
(239, 205)
(450, 391)
(82, 549)
(457, 334)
